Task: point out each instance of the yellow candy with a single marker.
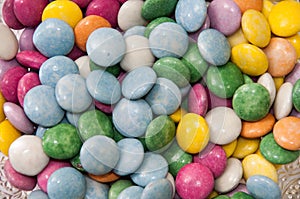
(277, 166)
(237, 38)
(267, 7)
(250, 59)
(256, 165)
(192, 133)
(2, 101)
(213, 195)
(8, 134)
(295, 41)
(65, 10)
(229, 148)
(256, 28)
(245, 147)
(177, 115)
(278, 82)
(284, 18)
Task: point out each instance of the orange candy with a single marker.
(282, 56)
(287, 132)
(258, 128)
(86, 26)
(109, 177)
(249, 4)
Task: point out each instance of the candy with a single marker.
(99, 155)
(250, 4)
(261, 186)
(190, 14)
(230, 148)
(153, 8)
(26, 155)
(231, 177)
(95, 189)
(37, 194)
(135, 30)
(133, 192)
(214, 47)
(66, 182)
(267, 81)
(283, 102)
(237, 37)
(25, 40)
(194, 181)
(9, 16)
(241, 195)
(295, 41)
(224, 125)
(245, 147)
(31, 59)
(198, 100)
(296, 95)
(161, 188)
(117, 187)
(155, 22)
(106, 178)
(294, 75)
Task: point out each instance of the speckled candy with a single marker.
(154, 23)
(117, 187)
(31, 58)
(267, 81)
(262, 187)
(41, 107)
(53, 37)
(160, 189)
(37, 194)
(296, 95)
(245, 147)
(66, 182)
(99, 155)
(251, 102)
(135, 30)
(214, 47)
(198, 100)
(194, 181)
(95, 189)
(134, 192)
(190, 14)
(153, 8)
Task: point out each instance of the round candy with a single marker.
(190, 14)
(25, 40)
(26, 155)
(224, 80)
(138, 82)
(103, 86)
(267, 81)
(61, 142)
(283, 104)
(37, 194)
(237, 38)
(168, 39)
(214, 47)
(101, 45)
(295, 41)
(43, 176)
(225, 16)
(194, 181)
(286, 133)
(156, 22)
(198, 100)
(229, 148)
(2, 101)
(130, 10)
(86, 26)
(8, 15)
(161, 188)
(15, 114)
(294, 75)
(108, 9)
(18, 180)
(283, 18)
(242, 54)
(106, 178)
(251, 102)
(94, 122)
(66, 182)
(296, 95)
(231, 176)
(252, 21)
(250, 4)
(131, 117)
(160, 133)
(245, 147)
(28, 13)
(137, 53)
(263, 187)
(134, 192)
(67, 11)
(131, 156)
(173, 69)
(54, 37)
(95, 189)
(193, 126)
(153, 167)
(99, 155)
(117, 187)
(27, 82)
(164, 97)
(5, 65)
(41, 107)
(155, 8)
(31, 58)
(135, 30)
(224, 125)
(71, 93)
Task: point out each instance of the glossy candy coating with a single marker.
(8, 134)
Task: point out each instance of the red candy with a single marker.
(9, 16)
(31, 59)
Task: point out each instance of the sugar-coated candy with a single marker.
(117, 187)
(198, 100)
(9, 17)
(155, 8)
(37, 194)
(95, 189)
(155, 22)
(134, 192)
(25, 40)
(135, 30)
(160, 189)
(267, 81)
(245, 147)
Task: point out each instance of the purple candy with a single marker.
(82, 3)
(5, 66)
(25, 41)
(294, 75)
(194, 36)
(215, 101)
(75, 53)
(239, 188)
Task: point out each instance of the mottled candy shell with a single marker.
(168, 39)
(190, 14)
(236, 38)
(155, 22)
(294, 75)
(9, 43)
(245, 147)
(214, 47)
(25, 40)
(134, 192)
(135, 30)
(267, 81)
(95, 189)
(37, 194)
(224, 125)
(9, 17)
(296, 95)
(198, 100)
(161, 188)
(295, 41)
(283, 103)
(249, 4)
(156, 8)
(117, 187)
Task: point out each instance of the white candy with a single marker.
(9, 43)
(267, 81)
(283, 104)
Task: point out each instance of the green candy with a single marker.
(160, 132)
(155, 23)
(158, 8)
(195, 63)
(173, 69)
(117, 135)
(251, 102)
(241, 195)
(247, 79)
(94, 122)
(296, 95)
(221, 197)
(117, 187)
(176, 158)
(114, 70)
(75, 161)
(61, 142)
(275, 153)
(224, 80)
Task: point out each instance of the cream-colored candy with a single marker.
(283, 104)
(83, 64)
(267, 81)
(9, 43)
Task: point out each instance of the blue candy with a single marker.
(135, 30)
(95, 189)
(132, 192)
(37, 194)
(54, 37)
(158, 189)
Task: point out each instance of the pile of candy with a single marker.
(149, 99)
